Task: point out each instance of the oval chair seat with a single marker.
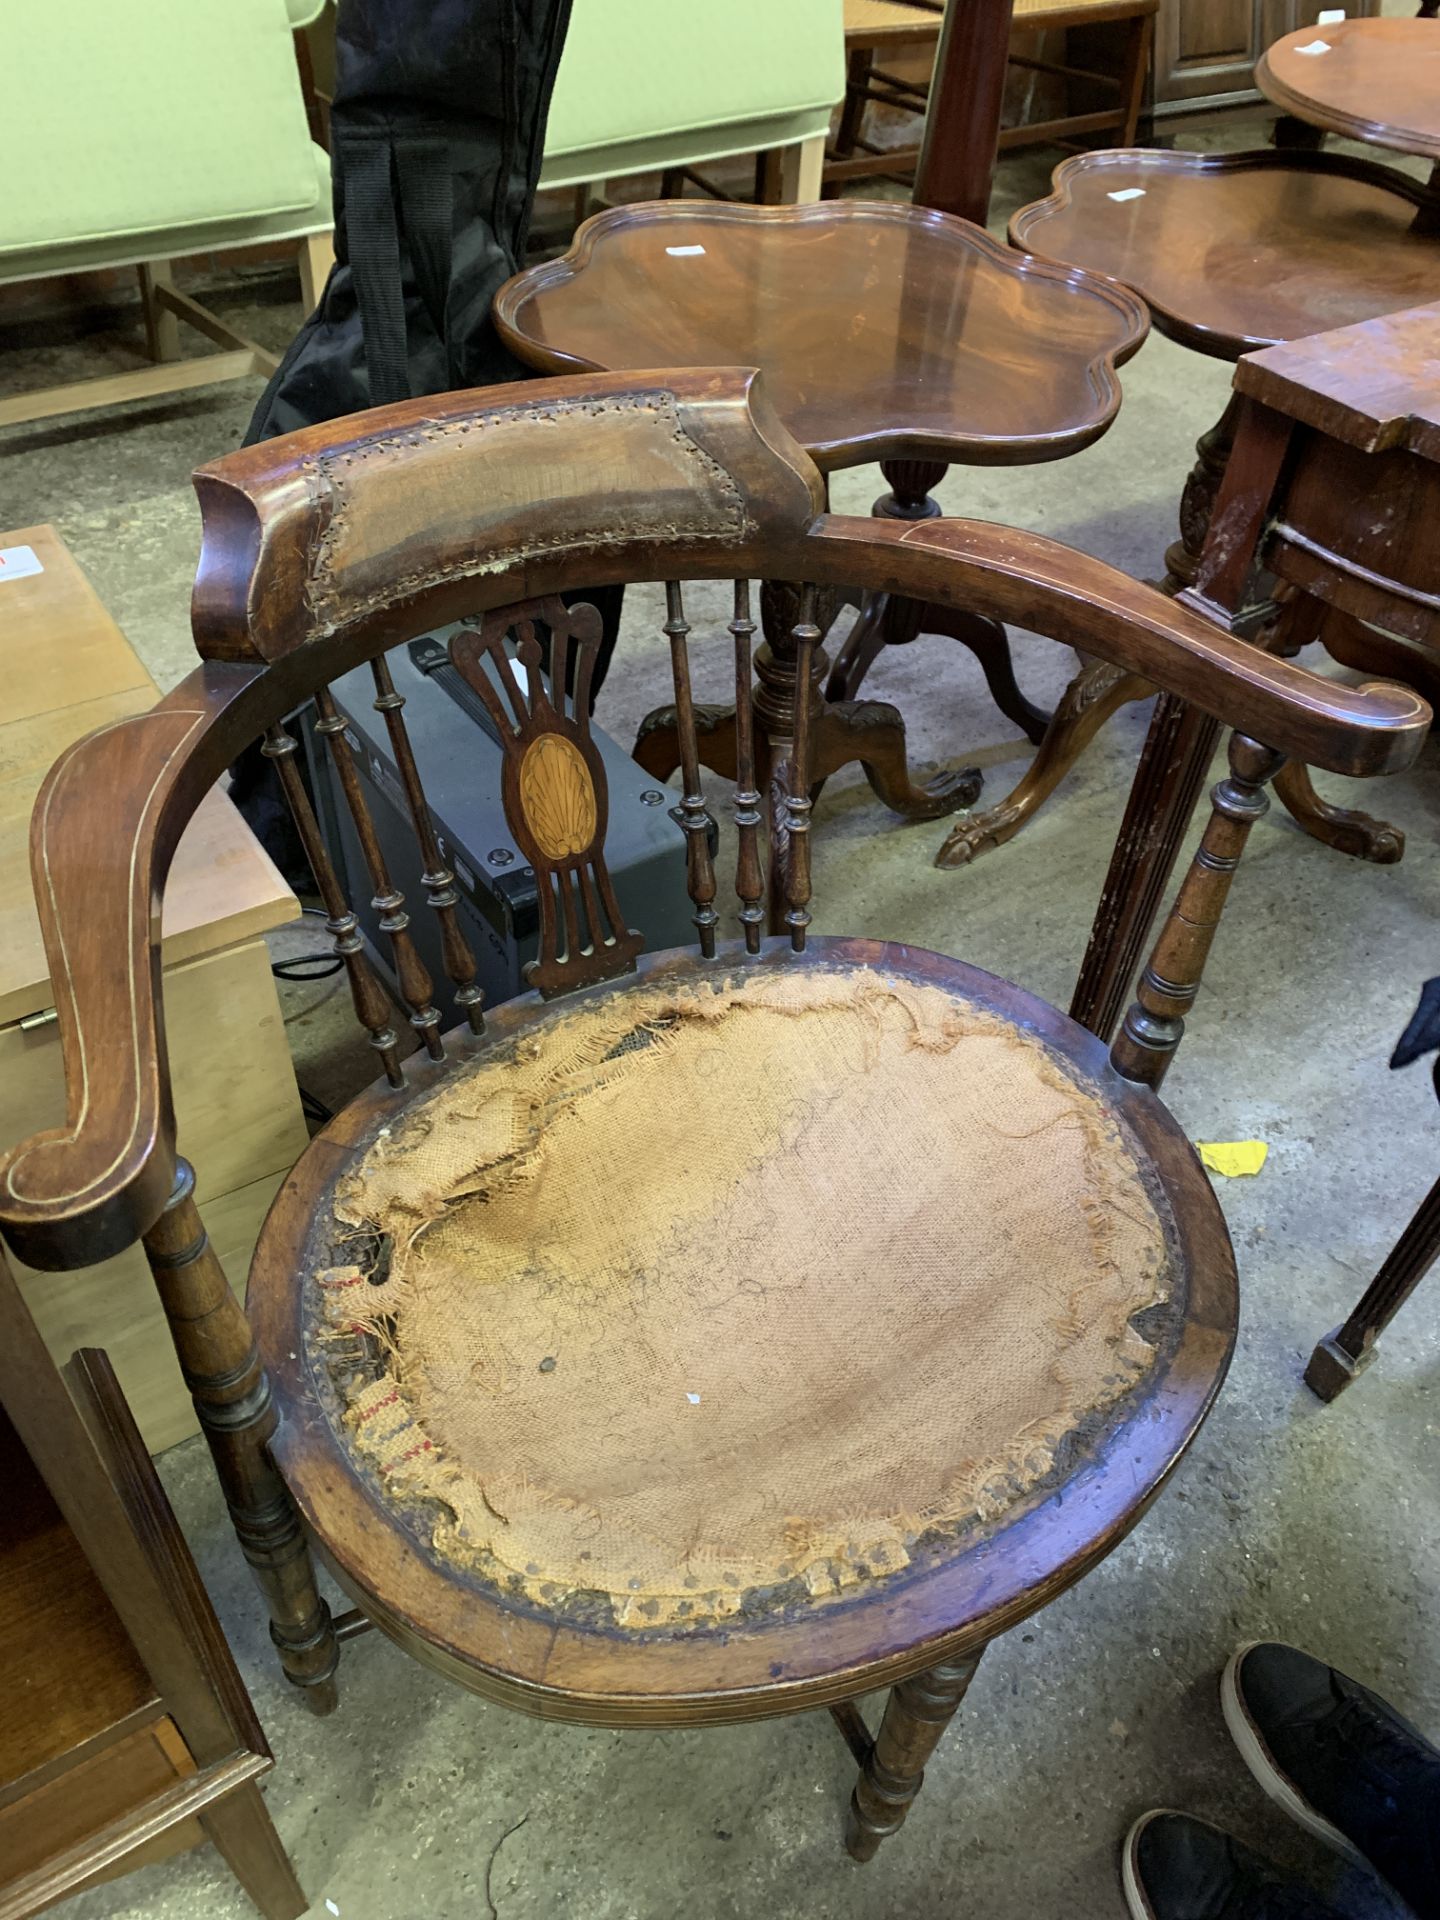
(694, 1341)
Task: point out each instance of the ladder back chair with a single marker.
(704, 1335)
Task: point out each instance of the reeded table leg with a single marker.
(1346, 1352)
(916, 1714)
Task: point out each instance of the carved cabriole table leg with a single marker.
(1197, 501)
(887, 620)
(1099, 690)
(916, 1715)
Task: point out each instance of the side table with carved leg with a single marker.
(1323, 240)
(885, 332)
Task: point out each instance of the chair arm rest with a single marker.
(1032, 582)
(104, 830)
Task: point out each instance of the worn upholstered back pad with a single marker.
(729, 1293)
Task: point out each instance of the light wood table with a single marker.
(68, 669)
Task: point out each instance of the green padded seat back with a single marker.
(144, 117)
(649, 83)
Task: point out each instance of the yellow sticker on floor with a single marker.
(1233, 1157)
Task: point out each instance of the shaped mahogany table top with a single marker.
(1375, 80)
(884, 331)
(1237, 251)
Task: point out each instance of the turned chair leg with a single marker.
(916, 1714)
(1346, 1352)
(232, 1397)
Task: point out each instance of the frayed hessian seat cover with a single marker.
(731, 1293)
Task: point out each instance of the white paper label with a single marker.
(1315, 46)
(680, 252)
(1127, 193)
(1330, 16)
(18, 562)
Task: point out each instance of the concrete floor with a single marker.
(1318, 1525)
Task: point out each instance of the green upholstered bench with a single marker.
(135, 135)
(660, 85)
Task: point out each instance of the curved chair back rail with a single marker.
(324, 548)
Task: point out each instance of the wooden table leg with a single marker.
(1097, 691)
(1346, 829)
(1168, 780)
(962, 122)
(1197, 501)
(887, 620)
(1346, 1352)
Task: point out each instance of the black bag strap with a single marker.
(374, 249)
(425, 190)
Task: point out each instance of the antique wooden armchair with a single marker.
(702, 1336)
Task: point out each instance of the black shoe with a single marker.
(1341, 1762)
(1179, 1868)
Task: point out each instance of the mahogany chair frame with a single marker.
(321, 550)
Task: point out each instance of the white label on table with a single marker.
(16, 563)
(1315, 46)
(1330, 16)
(678, 251)
(1127, 193)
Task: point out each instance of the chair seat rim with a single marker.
(784, 1661)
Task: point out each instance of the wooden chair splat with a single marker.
(372, 1008)
(437, 877)
(413, 976)
(553, 783)
(700, 868)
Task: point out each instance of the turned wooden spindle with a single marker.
(437, 877)
(797, 800)
(231, 1393)
(411, 973)
(700, 868)
(916, 1714)
(1152, 1028)
(372, 1008)
(749, 878)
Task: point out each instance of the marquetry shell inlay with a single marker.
(558, 796)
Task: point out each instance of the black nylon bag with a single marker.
(437, 130)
